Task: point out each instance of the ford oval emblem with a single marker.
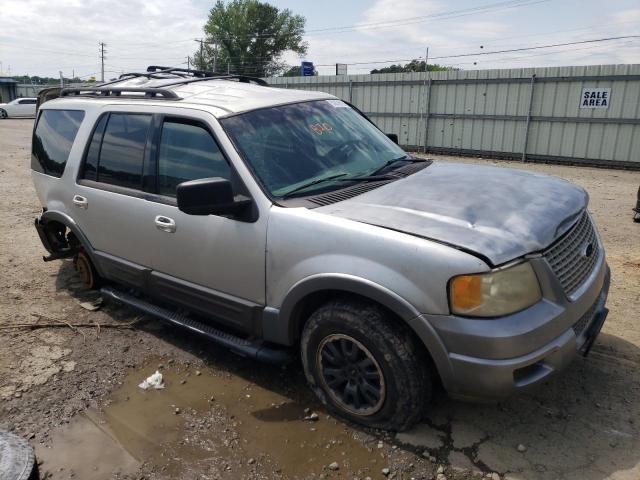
(587, 250)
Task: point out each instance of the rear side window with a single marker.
(116, 152)
(93, 153)
(187, 152)
(52, 140)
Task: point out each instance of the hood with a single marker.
(497, 213)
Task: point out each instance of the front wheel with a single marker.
(365, 365)
(3, 113)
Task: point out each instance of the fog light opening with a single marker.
(531, 373)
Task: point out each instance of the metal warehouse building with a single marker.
(8, 89)
(578, 115)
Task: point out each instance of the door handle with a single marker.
(80, 201)
(165, 224)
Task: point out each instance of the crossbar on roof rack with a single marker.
(220, 76)
(99, 92)
(188, 71)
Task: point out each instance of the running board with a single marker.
(239, 346)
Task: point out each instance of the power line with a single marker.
(423, 18)
(494, 52)
(506, 4)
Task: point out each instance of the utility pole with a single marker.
(102, 52)
(61, 79)
(201, 66)
(188, 63)
(215, 54)
(426, 60)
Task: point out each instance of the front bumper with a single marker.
(490, 359)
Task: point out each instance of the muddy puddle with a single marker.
(207, 421)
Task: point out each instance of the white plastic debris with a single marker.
(154, 381)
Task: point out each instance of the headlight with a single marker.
(496, 293)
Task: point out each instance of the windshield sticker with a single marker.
(321, 128)
(337, 104)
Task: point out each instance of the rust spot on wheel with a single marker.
(85, 270)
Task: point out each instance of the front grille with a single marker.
(571, 258)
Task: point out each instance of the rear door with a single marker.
(108, 199)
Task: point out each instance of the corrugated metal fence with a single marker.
(532, 114)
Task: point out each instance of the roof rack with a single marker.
(187, 76)
(100, 92)
(186, 71)
(220, 76)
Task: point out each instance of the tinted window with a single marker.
(53, 139)
(90, 171)
(122, 152)
(187, 152)
(27, 102)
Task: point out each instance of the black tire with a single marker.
(392, 363)
(3, 114)
(86, 270)
(17, 461)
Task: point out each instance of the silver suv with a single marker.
(286, 221)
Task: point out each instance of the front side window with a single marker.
(187, 152)
(291, 146)
(121, 152)
(52, 140)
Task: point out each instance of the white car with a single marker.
(20, 107)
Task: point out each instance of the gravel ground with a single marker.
(74, 394)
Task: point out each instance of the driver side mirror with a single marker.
(209, 196)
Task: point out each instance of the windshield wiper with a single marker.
(337, 178)
(312, 183)
(405, 158)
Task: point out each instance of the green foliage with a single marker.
(26, 79)
(412, 66)
(292, 72)
(249, 37)
(295, 72)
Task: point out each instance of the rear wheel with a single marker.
(365, 366)
(86, 270)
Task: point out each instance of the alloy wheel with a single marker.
(351, 375)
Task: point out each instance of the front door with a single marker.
(214, 264)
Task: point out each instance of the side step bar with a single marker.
(240, 346)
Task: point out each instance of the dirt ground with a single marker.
(73, 392)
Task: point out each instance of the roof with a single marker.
(227, 95)
(8, 80)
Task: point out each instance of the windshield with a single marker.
(320, 143)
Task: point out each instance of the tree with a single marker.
(249, 37)
(292, 72)
(295, 72)
(412, 66)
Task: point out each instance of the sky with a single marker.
(43, 37)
